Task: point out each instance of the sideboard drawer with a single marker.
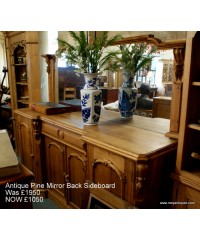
(67, 137)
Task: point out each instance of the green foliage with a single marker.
(132, 57)
(7, 100)
(88, 55)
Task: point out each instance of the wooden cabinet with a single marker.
(162, 107)
(66, 165)
(76, 158)
(188, 155)
(23, 68)
(28, 143)
(109, 95)
(137, 179)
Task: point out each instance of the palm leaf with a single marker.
(87, 55)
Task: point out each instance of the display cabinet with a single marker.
(20, 68)
(187, 177)
(23, 68)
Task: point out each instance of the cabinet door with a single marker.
(55, 167)
(77, 195)
(28, 148)
(24, 142)
(107, 168)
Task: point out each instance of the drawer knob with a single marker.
(60, 134)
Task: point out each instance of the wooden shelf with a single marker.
(196, 84)
(23, 64)
(192, 174)
(194, 126)
(22, 83)
(23, 101)
(20, 64)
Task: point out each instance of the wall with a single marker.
(47, 45)
(43, 48)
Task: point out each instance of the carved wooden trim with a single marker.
(143, 38)
(109, 164)
(48, 58)
(140, 180)
(179, 55)
(14, 45)
(179, 43)
(67, 191)
(85, 146)
(25, 125)
(36, 123)
(56, 145)
(78, 157)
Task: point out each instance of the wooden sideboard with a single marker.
(131, 159)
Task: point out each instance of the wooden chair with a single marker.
(69, 93)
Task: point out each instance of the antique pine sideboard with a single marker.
(133, 155)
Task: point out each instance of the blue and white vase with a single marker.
(91, 100)
(127, 97)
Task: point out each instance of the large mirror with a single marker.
(159, 74)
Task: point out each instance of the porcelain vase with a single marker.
(127, 97)
(91, 100)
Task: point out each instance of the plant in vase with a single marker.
(88, 54)
(130, 59)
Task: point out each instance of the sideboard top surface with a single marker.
(139, 138)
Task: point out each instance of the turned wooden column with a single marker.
(50, 60)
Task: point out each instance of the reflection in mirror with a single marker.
(154, 74)
(157, 74)
(160, 75)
